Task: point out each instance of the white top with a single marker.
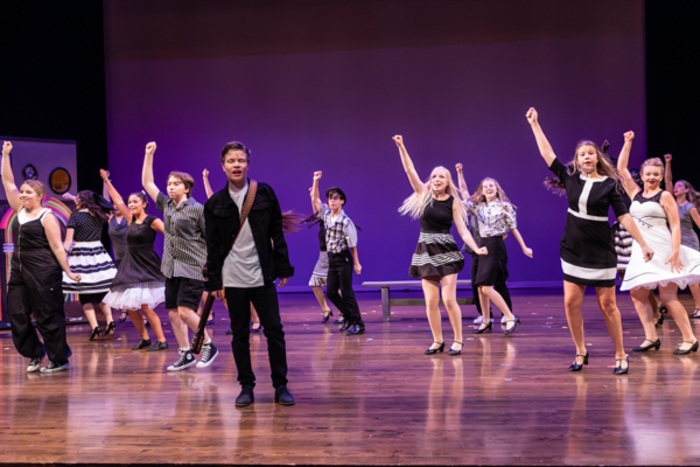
(242, 265)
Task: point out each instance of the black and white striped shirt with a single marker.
(341, 233)
(184, 250)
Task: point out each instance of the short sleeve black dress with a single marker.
(587, 250)
(436, 253)
(139, 280)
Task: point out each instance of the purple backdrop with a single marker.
(335, 108)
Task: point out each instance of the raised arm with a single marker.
(463, 188)
(542, 143)
(315, 196)
(116, 197)
(671, 209)
(147, 173)
(207, 185)
(458, 219)
(53, 235)
(413, 177)
(8, 178)
(105, 191)
(628, 182)
(668, 176)
(527, 251)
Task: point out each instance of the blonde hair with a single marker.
(415, 204)
(38, 187)
(652, 162)
(480, 197)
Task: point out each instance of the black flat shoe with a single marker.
(95, 333)
(110, 328)
(696, 314)
(483, 327)
(619, 370)
(431, 351)
(283, 396)
(511, 329)
(123, 316)
(579, 366)
(643, 348)
(143, 343)
(246, 397)
(346, 325)
(356, 329)
(453, 352)
(694, 348)
(326, 315)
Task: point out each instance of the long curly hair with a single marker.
(604, 167)
(415, 204)
(692, 195)
(87, 199)
(479, 197)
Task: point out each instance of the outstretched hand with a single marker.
(151, 148)
(317, 175)
(668, 157)
(398, 139)
(6, 148)
(629, 136)
(531, 116)
(458, 167)
(104, 174)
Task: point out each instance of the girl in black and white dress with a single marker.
(586, 249)
(437, 259)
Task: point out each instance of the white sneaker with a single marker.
(209, 353)
(479, 319)
(35, 365)
(503, 319)
(185, 361)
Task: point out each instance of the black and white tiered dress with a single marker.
(586, 250)
(436, 253)
(88, 258)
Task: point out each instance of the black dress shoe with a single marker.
(245, 398)
(95, 333)
(434, 351)
(326, 314)
(283, 397)
(511, 329)
(694, 348)
(453, 352)
(619, 369)
(346, 325)
(339, 320)
(579, 366)
(355, 329)
(643, 348)
(483, 327)
(143, 343)
(110, 328)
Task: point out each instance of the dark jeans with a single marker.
(340, 268)
(264, 299)
(500, 287)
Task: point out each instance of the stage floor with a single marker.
(370, 399)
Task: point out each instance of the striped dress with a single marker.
(436, 253)
(88, 257)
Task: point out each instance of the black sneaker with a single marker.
(158, 345)
(245, 398)
(35, 365)
(356, 329)
(209, 354)
(53, 367)
(143, 343)
(185, 361)
(283, 397)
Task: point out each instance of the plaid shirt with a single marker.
(341, 234)
(494, 218)
(184, 250)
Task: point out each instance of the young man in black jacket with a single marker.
(246, 273)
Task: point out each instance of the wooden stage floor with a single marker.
(370, 399)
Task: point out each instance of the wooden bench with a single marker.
(387, 301)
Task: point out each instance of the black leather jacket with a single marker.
(222, 220)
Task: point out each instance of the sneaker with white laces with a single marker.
(209, 354)
(35, 365)
(53, 367)
(503, 319)
(185, 361)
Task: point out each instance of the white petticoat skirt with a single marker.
(133, 297)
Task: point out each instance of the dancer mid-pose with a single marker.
(673, 265)
(35, 280)
(245, 254)
(139, 284)
(495, 217)
(586, 249)
(319, 276)
(184, 255)
(688, 203)
(341, 243)
(89, 257)
(437, 259)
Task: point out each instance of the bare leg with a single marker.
(154, 321)
(695, 291)
(138, 323)
(431, 291)
(645, 311)
(613, 320)
(454, 312)
(573, 299)
(89, 310)
(255, 319)
(669, 295)
(321, 298)
(497, 300)
(191, 320)
(107, 310)
(179, 328)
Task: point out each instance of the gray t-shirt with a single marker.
(242, 265)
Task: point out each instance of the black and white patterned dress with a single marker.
(436, 253)
(88, 257)
(586, 250)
